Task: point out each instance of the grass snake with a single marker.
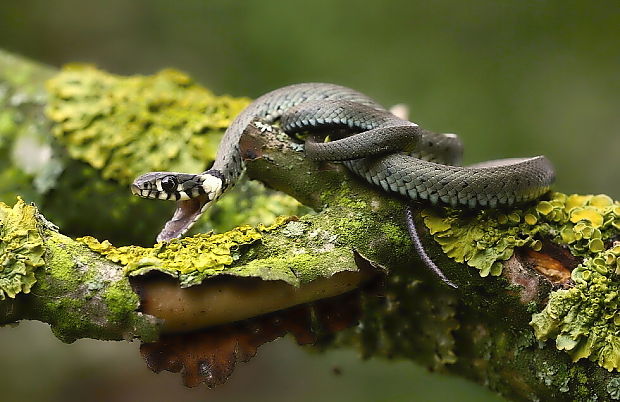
(385, 150)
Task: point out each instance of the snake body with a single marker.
(385, 150)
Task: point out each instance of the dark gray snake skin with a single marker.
(385, 150)
(413, 162)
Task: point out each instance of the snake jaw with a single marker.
(188, 211)
(193, 194)
(185, 215)
(135, 190)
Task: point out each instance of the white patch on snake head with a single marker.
(212, 186)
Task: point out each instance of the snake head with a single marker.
(193, 194)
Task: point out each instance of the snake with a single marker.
(387, 151)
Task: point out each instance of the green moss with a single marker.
(126, 126)
(581, 382)
(556, 376)
(196, 258)
(583, 319)
(396, 235)
(191, 259)
(81, 295)
(114, 206)
(407, 321)
(351, 203)
(76, 291)
(61, 264)
(352, 227)
(21, 249)
(119, 298)
(297, 269)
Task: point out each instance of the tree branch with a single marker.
(481, 331)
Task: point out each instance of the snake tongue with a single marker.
(186, 213)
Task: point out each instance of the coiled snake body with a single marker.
(385, 150)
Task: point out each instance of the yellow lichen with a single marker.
(589, 214)
(126, 126)
(583, 319)
(544, 207)
(576, 200)
(481, 240)
(191, 259)
(601, 201)
(530, 219)
(21, 248)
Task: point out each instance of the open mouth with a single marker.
(135, 190)
(186, 213)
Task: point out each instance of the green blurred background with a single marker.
(513, 78)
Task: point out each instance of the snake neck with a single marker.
(270, 107)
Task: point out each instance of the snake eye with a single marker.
(169, 184)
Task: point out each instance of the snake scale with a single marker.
(385, 150)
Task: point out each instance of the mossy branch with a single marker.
(481, 331)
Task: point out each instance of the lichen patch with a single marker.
(126, 126)
(191, 259)
(584, 319)
(21, 248)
